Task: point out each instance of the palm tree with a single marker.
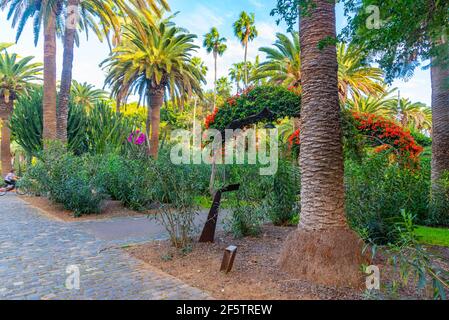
(4, 45)
(323, 249)
(16, 76)
(283, 65)
(199, 64)
(108, 13)
(215, 44)
(379, 105)
(355, 76)
(86, 95)
(245, 31)
(44, 13)
(411, 115)
(224, 87)
(236, 73)
(151, 61)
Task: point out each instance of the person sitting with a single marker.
(11, 180)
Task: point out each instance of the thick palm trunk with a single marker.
(323, 249)
(6, 110)
(156, 101)
(440, 126)
(49, 99)
(67, 67)
(6, 148)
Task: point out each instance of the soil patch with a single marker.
(110, 209)
(256, 273)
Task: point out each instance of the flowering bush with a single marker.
(387, 134)
(279, 100)
(210, 119)
(294, 138)
(384, 135)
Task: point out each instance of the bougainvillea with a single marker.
(387, 134)
(294, 138)
(210, 119)
(383, 134)
(279, 100)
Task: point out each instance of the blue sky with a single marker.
(198, 16)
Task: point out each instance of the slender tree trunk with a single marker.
(118, 104)
(67, 68)
(246, 65)
(156, 102)
(49, 99)
(440, 124)
(323, 249)
(215, 81)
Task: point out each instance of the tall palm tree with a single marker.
(86, 95)
(440, 115)
(44, 13)
(323, 249)
(215, 44)
(108, 12)
(245, 30)
(236, 73)
(16, 77)
(152, 61)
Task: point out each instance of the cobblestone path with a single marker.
(40, 259)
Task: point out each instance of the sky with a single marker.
(199, 16)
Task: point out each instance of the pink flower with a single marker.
(137, 138)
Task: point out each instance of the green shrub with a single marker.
(421, 139)
(66, 179)
(284, 195)
(26, 124)
(377, 190)
(175, 190)
(411, 262)
(439, 204)
(251, 204)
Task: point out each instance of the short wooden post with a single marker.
(228, 259)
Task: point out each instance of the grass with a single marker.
(433, 236)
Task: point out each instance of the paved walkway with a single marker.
(39, 256)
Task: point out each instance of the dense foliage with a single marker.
(96, 130)
(377, 189)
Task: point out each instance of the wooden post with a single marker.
(228, 259)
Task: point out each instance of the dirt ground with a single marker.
(255, 274)
(110, 209)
